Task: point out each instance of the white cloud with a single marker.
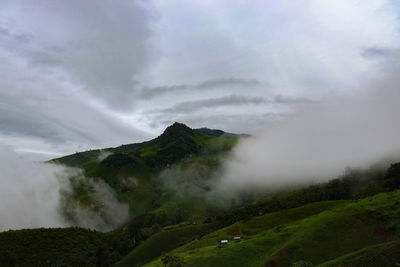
(46, 106)
(75, 72)
(103, 45)
(33, 195)
(283, 42)
(321, 140)
(299, 48)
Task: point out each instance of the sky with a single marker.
(77, 75)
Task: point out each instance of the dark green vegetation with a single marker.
(315, 224)
(61, 247)
(144, 175)
(353, 233)
(177, 220)
(384, 254)
(141, 175)
(165, 240)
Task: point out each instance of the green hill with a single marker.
(176, 142)
(328, 233)
(136, 172)
(352, 220)
(305, 224)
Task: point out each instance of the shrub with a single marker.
(172, 261)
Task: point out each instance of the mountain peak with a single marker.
(177, 125)
(176, 142)
(175, 130)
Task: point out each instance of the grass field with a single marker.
(165, 241)
(385, 254)
(317, 233)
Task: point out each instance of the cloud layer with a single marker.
(67, 71)
(77, 75)
(321, 140)
(33, 195)
(29, 193)
(304, 49)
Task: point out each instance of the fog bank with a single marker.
(34, 195)
(319, 140)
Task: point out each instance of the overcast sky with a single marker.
(76, 75)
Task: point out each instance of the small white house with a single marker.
(224, 243)
(236, 238)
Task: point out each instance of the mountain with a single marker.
(176, 142)
(148, 175)
(177, 219)
(219, 133)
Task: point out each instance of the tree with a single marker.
(172, 261)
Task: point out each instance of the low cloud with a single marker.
(321, 140)
(29, 193)
(100, 210)
(103, 155)
(193, 182)
(36, 194)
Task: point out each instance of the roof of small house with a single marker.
(236, 237)
(224, 241)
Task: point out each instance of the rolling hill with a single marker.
(352, 220)
(140, 174)
(330, 233)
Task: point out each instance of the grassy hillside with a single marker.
(317, 233)
(133, 171)
(176, 220)
(385, 254)
(176, 142)
(145, 175)
(167, 239)
(332, 233)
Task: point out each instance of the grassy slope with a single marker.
(317, 232)
(332, 233)
(385, 254)
(165, 241)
